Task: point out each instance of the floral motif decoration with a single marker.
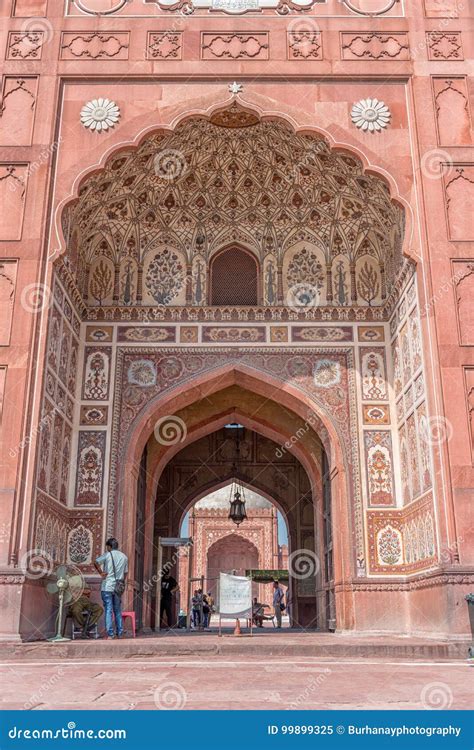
(378, 448)
(96, 375)
(373, 374)
(305, 279)
(389, 546)
(79, 547)
(165, 277)
(327, 373)
(370, 114)
(142, 372)
(90, 464)
(100, 114)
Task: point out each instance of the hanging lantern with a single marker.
(237, 512)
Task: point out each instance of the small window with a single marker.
(234, 278)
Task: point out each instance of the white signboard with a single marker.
(235, 6)
(235, 595)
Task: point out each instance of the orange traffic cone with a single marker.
(237, 630)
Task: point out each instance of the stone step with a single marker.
(329, 646)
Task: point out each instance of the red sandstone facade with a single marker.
(248, 240)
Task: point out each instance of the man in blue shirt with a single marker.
(112, 567)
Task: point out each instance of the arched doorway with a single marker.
(208, 462)
(327, 237)
(230, 554)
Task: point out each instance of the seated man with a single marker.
(85, 612)
(257, 612)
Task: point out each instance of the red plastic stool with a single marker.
(132, 617)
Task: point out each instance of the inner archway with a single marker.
(231, 554)
(258, 543)
(208, 462)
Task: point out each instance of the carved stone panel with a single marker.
(12, 198)
(469, 385)
(17, 110)
(3, 377)
(164, 45)
(441, 8)
(28, 8)
(235, 46)
(444, 45)
(459, 193)
(8, 271)
(25, 45)
(464, 289)
(375, 46)
(305, 45)
(110, 45)
(452, 111)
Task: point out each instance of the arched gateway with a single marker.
(235, 270)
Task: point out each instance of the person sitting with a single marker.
(257, 612)
(85, 613)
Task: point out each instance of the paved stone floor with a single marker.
(215, 682)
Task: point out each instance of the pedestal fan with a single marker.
(69, 585)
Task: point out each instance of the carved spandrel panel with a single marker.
(13, 179)
(17, 110)
(464, 290)
(453, 119)
(469, 385)
(8, 272)
(459, 194)
(3, 378)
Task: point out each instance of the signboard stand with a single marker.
(235, 598)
